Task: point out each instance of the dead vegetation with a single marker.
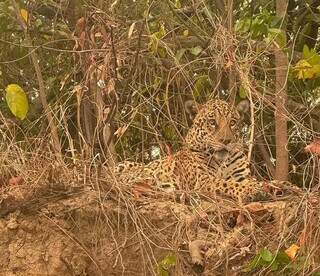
(120, 96)
(73, 220)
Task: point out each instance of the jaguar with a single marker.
(211, 160)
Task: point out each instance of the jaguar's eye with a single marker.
(213, 122)
(232, 122)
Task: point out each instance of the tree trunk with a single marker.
(281, 98)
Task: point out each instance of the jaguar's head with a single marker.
(215, 125)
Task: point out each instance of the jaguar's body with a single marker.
(212, 159)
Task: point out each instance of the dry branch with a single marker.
(42, 91)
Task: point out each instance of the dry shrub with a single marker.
(72, 218)
(86, 222)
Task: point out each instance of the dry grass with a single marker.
(71, 218)
(106, 229)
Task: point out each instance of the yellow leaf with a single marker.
(305, 70)
(292, 251)
(25, 15)
(186, 32)
(17, 101)
(308, 73)
(316, 70)
(302, 64)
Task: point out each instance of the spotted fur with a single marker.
(211, 161)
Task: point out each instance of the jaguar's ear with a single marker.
(191, 108)
(243, 107)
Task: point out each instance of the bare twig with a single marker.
(265, 155)
(42, 90)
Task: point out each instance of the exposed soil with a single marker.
(67, 228)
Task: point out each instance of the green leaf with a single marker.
(266, 255)
(177, 4)
(275, 31)
(169, 132)
(17, 101)
(162, 52)
(155, 48)
(258, 29)
(195, 50)
(153, 44)
(316, 70)
(274, 266)
(169, 261)
(155, 38)
(275, 21)
(202, 86)
(162, 272)
(282, 258)
(306, 51)
(161, 33)
(157, 83)
(243, 25)
(164, 266)
(278, 35)
(63, 34)
(311, 55)
(180, 53)
(242, 92)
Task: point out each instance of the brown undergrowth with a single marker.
(76, 220)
